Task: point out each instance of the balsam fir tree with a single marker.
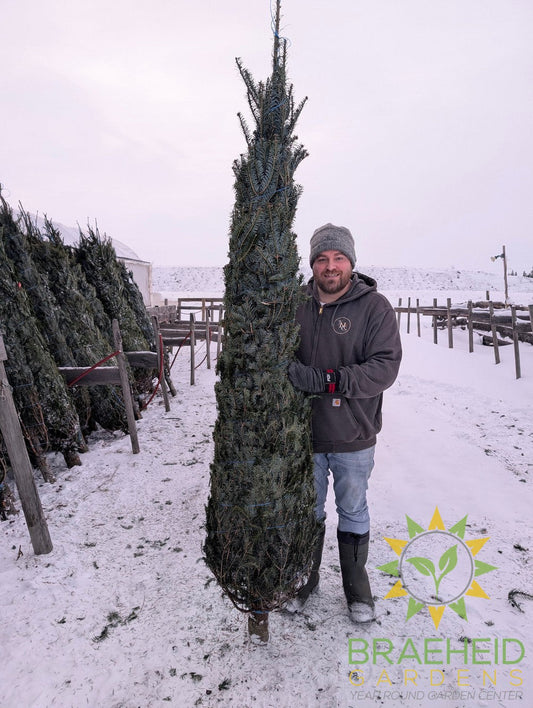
(260, 514)
(98, 260)
(36, 280)
(49, 419)
(14, 311)
(78, 311)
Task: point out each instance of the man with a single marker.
(349, 353)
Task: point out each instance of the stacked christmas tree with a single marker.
(56, 307)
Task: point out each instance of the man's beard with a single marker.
(333, 285)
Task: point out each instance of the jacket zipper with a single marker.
(317, 330)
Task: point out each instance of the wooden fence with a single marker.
(513, 323)
(205, 323)
(201, 307)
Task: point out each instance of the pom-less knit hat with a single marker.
(332, 238)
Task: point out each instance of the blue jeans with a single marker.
(351, 471)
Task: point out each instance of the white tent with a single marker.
(141, 270)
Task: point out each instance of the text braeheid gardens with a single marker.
(436, 668)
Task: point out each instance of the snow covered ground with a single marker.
(124, 613)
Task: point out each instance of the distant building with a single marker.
(141, 270)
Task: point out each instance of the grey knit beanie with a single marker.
(332, 238)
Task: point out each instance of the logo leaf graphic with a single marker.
(423, 565)
(448, 561)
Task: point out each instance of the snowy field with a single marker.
(425, 283)
(124, 613)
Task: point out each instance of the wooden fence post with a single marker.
(399, 313)
(160, 362)
(435, 331)
(418, 317)
(193, 345)
(449, 321)
(494, 333)
(219, 331)
(20, 463)
(408, 315)
(126, 392)
(470, 328)
(208, 337)
(516, 344)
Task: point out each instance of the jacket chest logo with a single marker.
(342, 325)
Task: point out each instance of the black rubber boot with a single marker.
(353, 554)
(301, 598)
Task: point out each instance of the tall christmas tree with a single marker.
(260, 514)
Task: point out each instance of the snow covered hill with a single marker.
(173, 281)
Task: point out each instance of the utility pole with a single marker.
(505, 275)
(503, 256)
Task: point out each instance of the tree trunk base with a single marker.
(71, 458)
(258, 627)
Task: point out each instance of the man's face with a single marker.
(332, 271)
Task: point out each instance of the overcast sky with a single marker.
(418, 124)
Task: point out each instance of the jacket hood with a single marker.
(361, 285)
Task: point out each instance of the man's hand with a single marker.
(313, 380)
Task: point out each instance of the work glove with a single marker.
(313, 380)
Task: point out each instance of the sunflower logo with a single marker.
(437, 568)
